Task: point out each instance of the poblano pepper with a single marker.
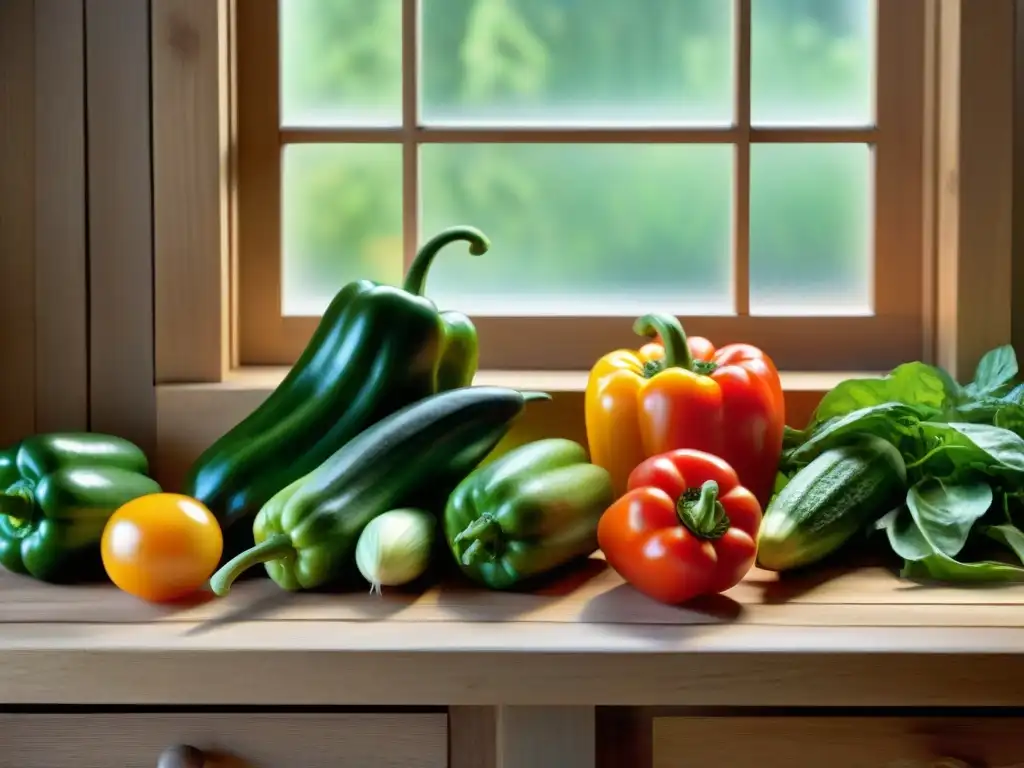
(527, 513)
(377, 349)
(57, 492)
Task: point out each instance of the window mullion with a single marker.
(741, 182)
(410, 121)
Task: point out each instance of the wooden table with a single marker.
(519, 675)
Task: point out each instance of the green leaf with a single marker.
(995, 372)
(919, 385)
(981, 447)
(1010, 416)
(890, 421)
(944, 513)
(904, 536)
(793, 438)
(1008, 535)
(942, 568)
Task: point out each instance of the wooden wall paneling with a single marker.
(974, 179)
(191, 154)
(122, 392)
(17, 226)
(61, 317)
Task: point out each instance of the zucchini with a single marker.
(829, 501)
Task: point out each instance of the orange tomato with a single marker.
(161, 547)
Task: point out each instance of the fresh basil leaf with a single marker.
(995, 372)
(981, 447)
(942, 568)
(904, 536)
(1009, 535)
(916, 384)
(945, 513)
(890, 421)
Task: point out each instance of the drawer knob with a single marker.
(181, 756)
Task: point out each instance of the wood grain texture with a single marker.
(510, 663)
(546, 737)
(61, 336)
(472, 737)
(589, 594)
(122, 394)
(228, 740)
(190, 189)
(17, 223)
(838, 742)
(975, 180)
(857, 638)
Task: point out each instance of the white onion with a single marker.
(395, 547)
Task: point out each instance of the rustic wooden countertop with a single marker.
(844, 637)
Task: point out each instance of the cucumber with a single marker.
(829, 501)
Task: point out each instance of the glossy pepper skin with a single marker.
(377, 349)
(686, 527)
(57, 492)
(684, 393)
(526, 513)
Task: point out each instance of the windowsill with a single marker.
(265, 379)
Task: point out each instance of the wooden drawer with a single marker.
(837, 742)
(249, 740)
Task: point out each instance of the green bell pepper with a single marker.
(57, 492)
(527, 513)
(376, 349)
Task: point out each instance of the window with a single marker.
(753, 166)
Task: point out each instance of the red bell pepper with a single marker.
(683, 393)
(686, 527)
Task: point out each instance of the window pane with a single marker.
(810, 229)
(813, 62)
(583, 228)
(589, 62)
(341, 62)
(342, 220)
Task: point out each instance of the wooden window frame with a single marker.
(895, 332)
(126, 237)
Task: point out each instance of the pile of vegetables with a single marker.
(940, 473)
(375, 456)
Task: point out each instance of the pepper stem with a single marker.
(702, 513)
(18, 504)
(673, 338)
(529, 397)
(274, 548)
(483, 536)
(416, 277)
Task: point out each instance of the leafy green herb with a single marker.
(982, 448)
(995, 373)
(942, 568)
(944, 514)
(1010, 536)
(928, 389)
(964, 451)
(890, 421)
